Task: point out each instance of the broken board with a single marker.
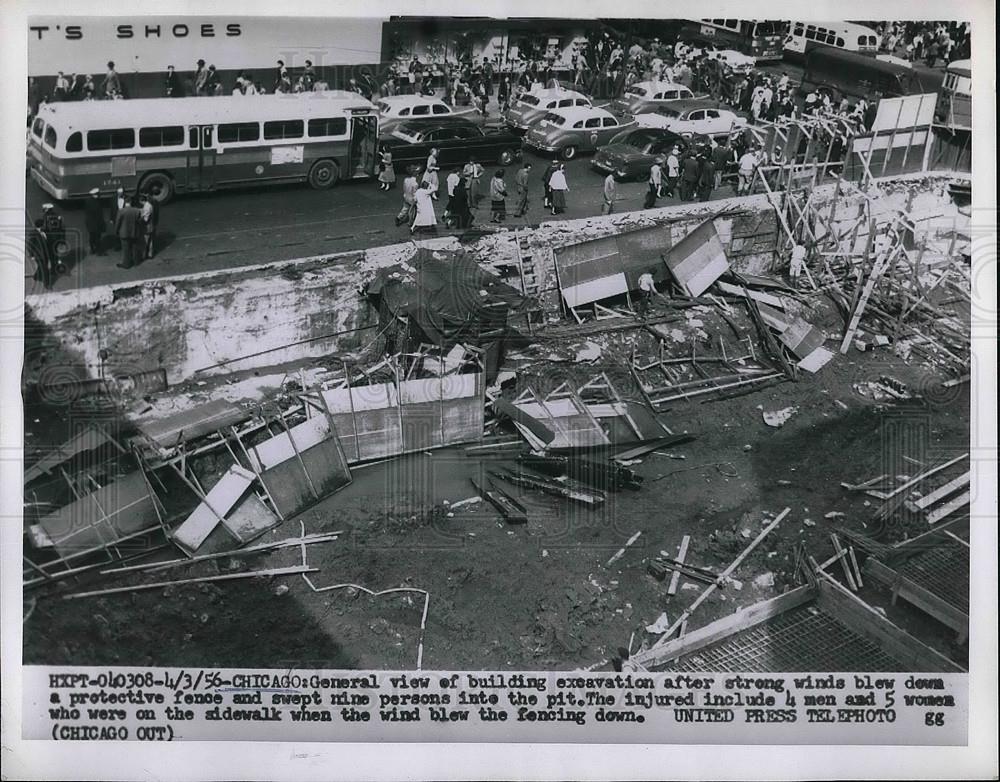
(217, 503)
(698, 260)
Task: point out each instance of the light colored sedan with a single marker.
(646, 96)
(395, 109)
(532, 106)
(688, 118)
(567, 132)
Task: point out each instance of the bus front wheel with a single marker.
(323, 175)
(158, 187)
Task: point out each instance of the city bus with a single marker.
(954, 105)
(758, 39)
(166, 146)
(803, 37)
(840, 74)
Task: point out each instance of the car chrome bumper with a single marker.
(539, 146)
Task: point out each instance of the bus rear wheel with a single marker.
(323, 175)
(158, 186)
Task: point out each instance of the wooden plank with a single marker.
(759, 296)
(943, 491)
(722, 576)
(675, 579)
(924, 476)
(948, 508)
(864, 620)
(286, 571)
(916, 595)
(190, 424)
(87, 440)
(216, 504)
(844, 563)
(866, 292)
(723, 628)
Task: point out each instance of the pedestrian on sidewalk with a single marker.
(654, 183)
(610, 194)
(521, 180)
(425, 221)
(673, 172)
(747, 166)
(449, 185)
(431, 173)
(498, 196)
(559, 187)
(690, 171)
(127, 229)
(387, 172)
(460, 205)
(410, 186)
(706, 178)
(94, 220)
(546, 180)
(150, 211)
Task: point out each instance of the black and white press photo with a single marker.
(501, 376)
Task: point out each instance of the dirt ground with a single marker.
(539, 596)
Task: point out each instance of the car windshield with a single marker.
(383, 107)
(531, 100)
(555, 119)
(639, 139)
(642, 92)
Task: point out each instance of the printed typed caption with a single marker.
(137, 704)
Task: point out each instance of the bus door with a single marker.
(201, 157)
(364, 144)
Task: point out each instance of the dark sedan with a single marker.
(630, 154)
(457, 141)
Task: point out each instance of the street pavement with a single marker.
(232, 228)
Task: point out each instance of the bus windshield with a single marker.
(768, 28)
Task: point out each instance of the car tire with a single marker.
(159, 187)
(323, 175)
(507, 157)
(568, 152)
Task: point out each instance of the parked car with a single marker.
(567, 132)
(646, 96)
(688, 117)
(457, 140)
(395, 109)
(631, 153)
(736, 60)
(532, 106)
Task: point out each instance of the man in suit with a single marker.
(127, 230)
(706, 181)
(94, 220)
(119, 202)
(150, 211)
(690, 172)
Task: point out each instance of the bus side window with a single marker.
(330, 126)
(841, 43)
(799, 29)
(206, 137)
(75, 142)
(110, 139)
(193, 138)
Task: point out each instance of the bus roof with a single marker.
(836, 55)
(961, 67)
(199, 111)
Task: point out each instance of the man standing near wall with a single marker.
(610, 194)
(521, 181)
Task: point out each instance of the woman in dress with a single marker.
(498, 192)
(387, 173)
(425, 221)
(559, 187)
(431, 173)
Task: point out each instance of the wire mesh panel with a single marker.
(944, 571)
(803, 639)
